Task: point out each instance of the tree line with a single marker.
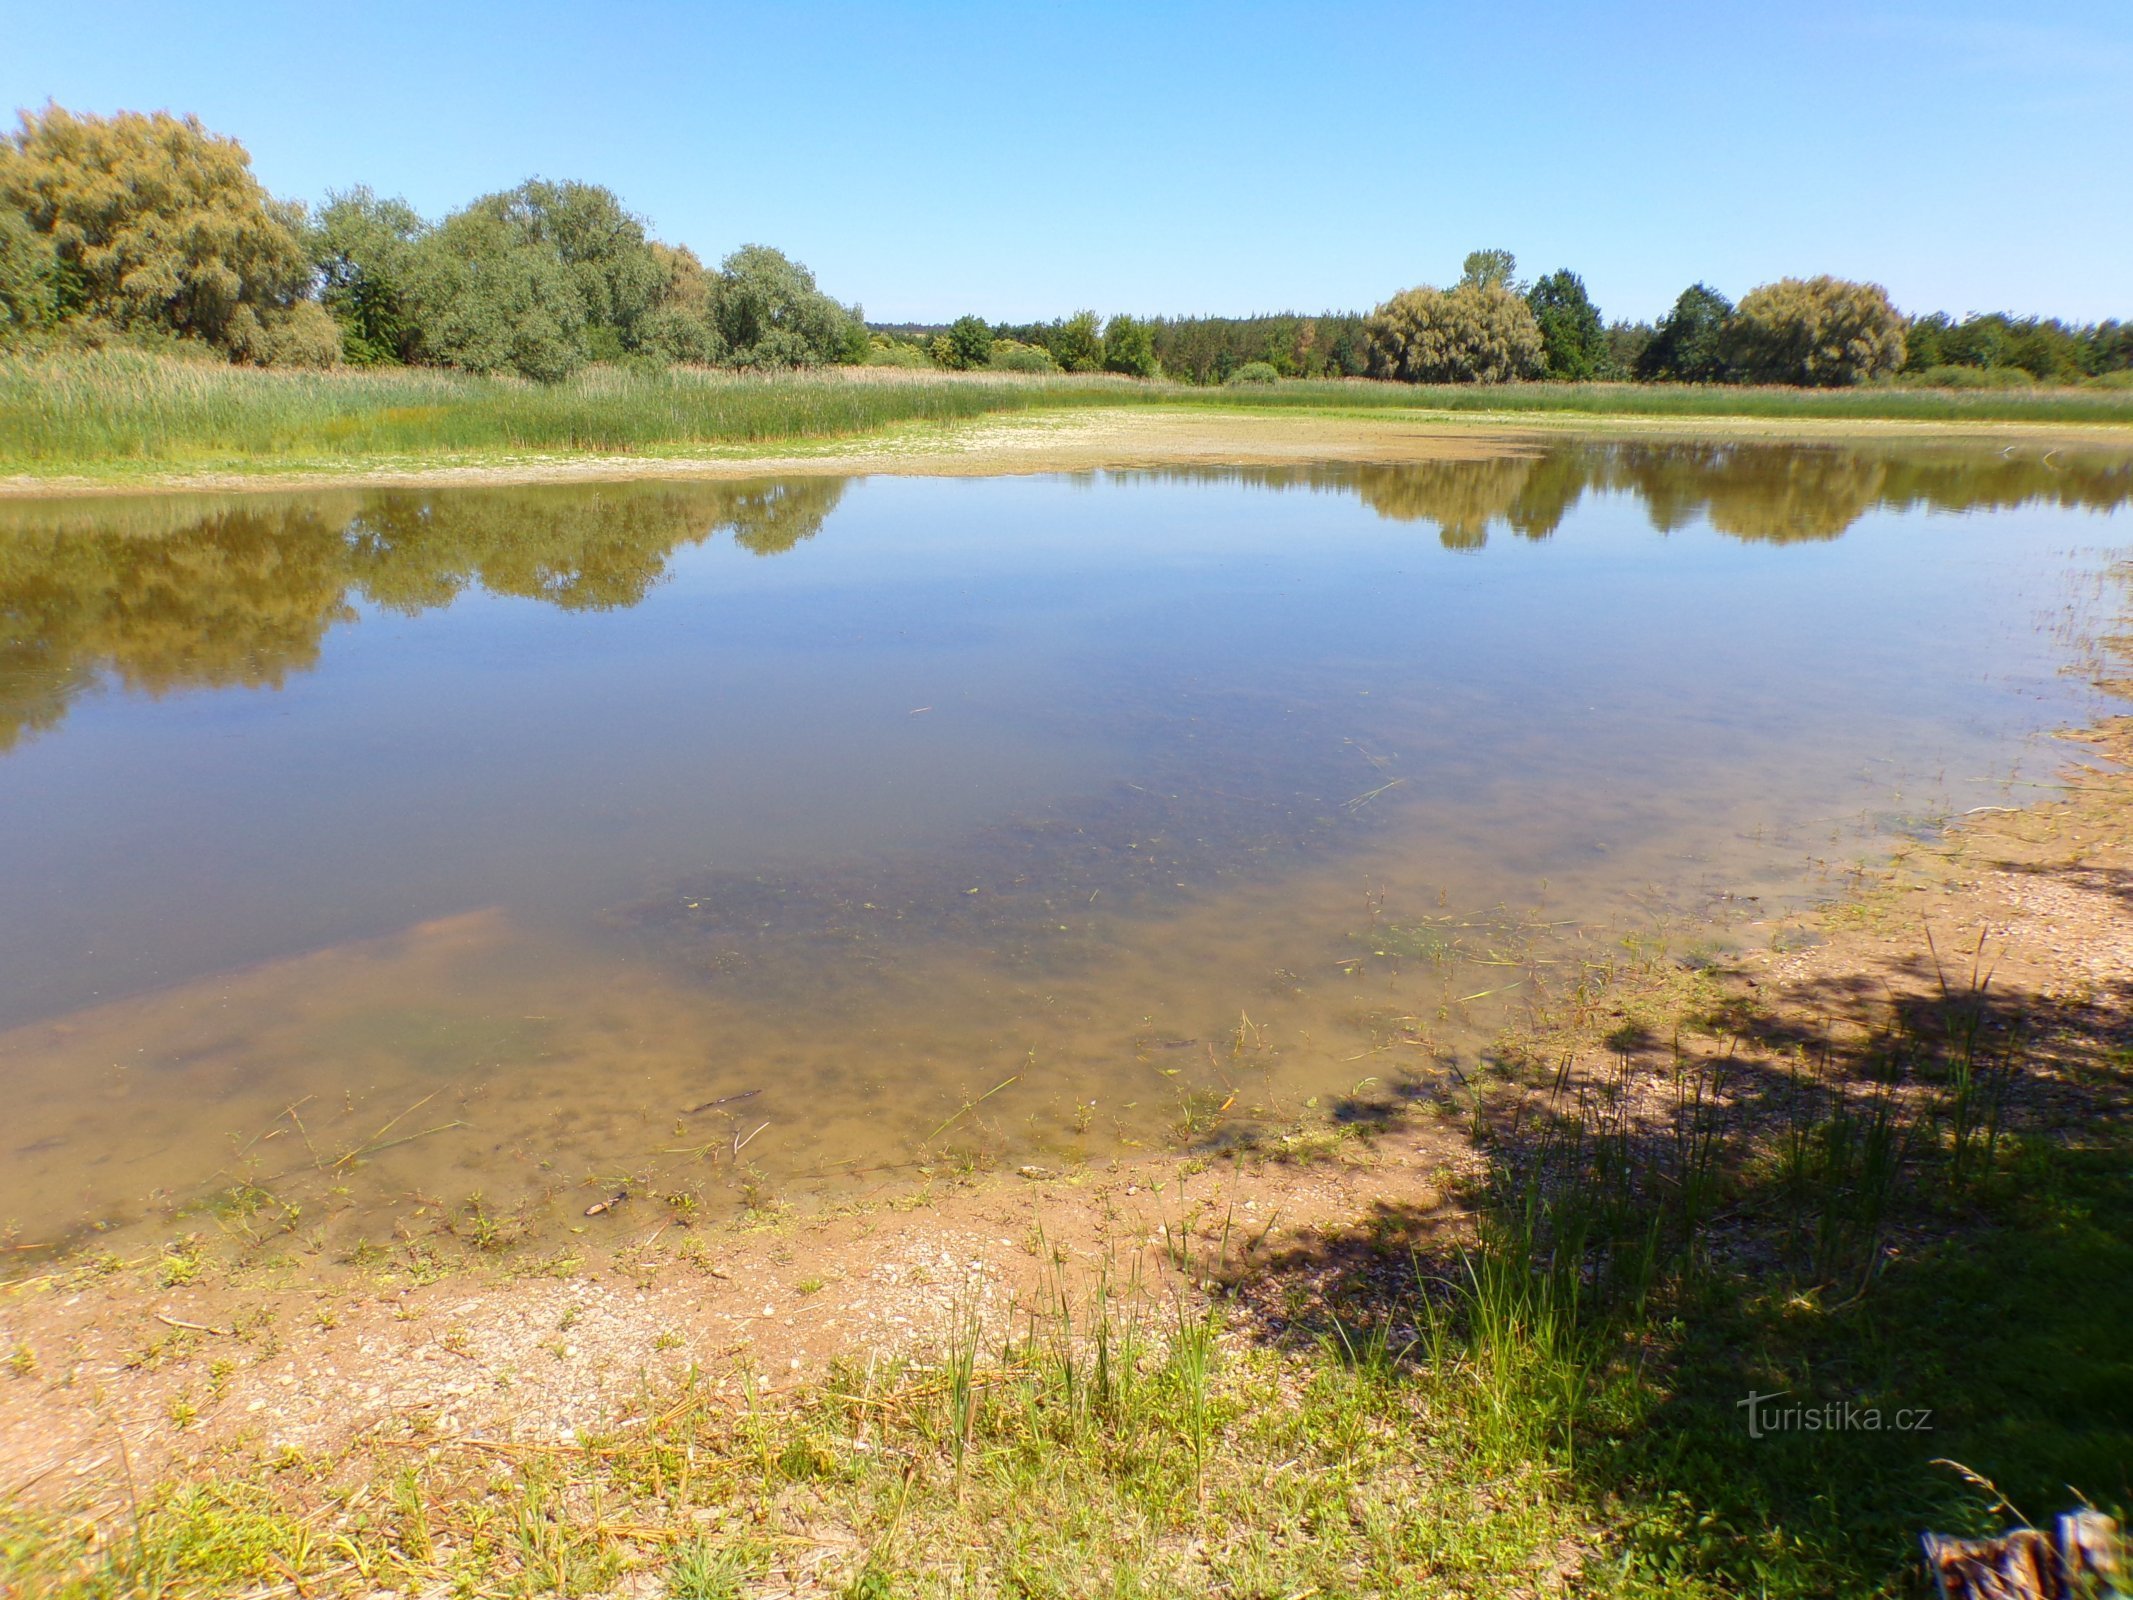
(150, 226)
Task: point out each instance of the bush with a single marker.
(1254, 372)
(1129, 347)
(1012, 355)
(1816, 333)
(1954, 377)
(884, 351)
(966, 344)
(1475, 333)
(305, 335)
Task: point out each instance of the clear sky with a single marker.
(1024, 160)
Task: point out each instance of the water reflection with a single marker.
(161, 595)
(1193, 795)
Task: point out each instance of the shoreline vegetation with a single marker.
(1484, 1334)
(131, 420)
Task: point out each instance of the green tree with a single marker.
(1573, 338)
(156, 223)
(1488, 269)
(966, 344)
(1819, 332)
(488, 298)
(1129, 347)
(681, 326)
(769, 313)
(363, 249)
(1475, 333)
(602, 247)
(1077, 344)
(1688, 346)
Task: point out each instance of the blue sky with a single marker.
(1022, 161)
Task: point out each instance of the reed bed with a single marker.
(120, 412)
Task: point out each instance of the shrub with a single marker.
(886, 352)
(1815, 332)
(1254, 372)
(305, 335)
(1953, 377)
(966, 344)
(1475, 333)
(1012, 355)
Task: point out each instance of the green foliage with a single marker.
(155, 223)
(1815, 332)
(602, 247)
(1573, 339)
(769, 314)
(1488, 269)
(1254, 372)
(491, 299)
(1209, 349)
(679, 328)
(884, 351)
(1626, 344)
(1077, 344)
(363, 250)
(966, 344)
(1476, 333)
(1129, 348)
(1012, 355)
(1688, 346)
(28, 278)
(2047, 349)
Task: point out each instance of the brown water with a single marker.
(363, 854)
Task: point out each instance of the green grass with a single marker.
(120, 413)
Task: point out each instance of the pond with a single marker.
(393, 864)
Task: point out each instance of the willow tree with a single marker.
(769, 313)
(1478, 332)
(1816, 332)
(487, 297)
(154, 222)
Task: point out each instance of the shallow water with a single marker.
(367, 853)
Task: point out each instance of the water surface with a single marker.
(371, 859)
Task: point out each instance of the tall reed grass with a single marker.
(119, 412)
